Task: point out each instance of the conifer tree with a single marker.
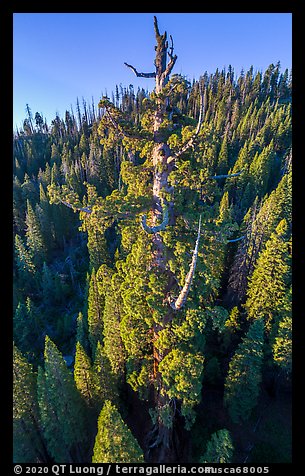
(270, 279)
(242, 384)
(34, 236)
(219, 448)
(47, 284)
(27, 327)
(142, 306)
(231, 327)
(29, 446)
(24, 263)
(43, 212)
(106, 383)
(62, 411)
(113, 344)
(83, 375)
(114, 442)
(95, 313)
(260, 170)
(82, 332)
(282, 346)
(258, 224)
(158, 191)
(18, 207)
(28, 189)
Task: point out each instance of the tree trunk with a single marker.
(161, 443)
(164, 443)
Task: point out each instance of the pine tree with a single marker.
(259, 222)
(27, 327)
(282, 346)
(29, 190)
(43, 213)
(260, 170)
(113, 344)
(95, 312)
(83, 375)
(82, 332)
(24, 260)
(224, 209)
(242, 384)
(34, 238)
(219, 448)
(231, 327)
(223, 158)
(270, 279)
(29, 446)
(106, 383)
(47, 284)
(62, 410)
(18, 208)
(114, 441)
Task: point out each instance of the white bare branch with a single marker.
(181, 300)
(78, 209)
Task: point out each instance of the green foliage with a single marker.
(95, 312)
(282, 347)
(62, 411)
(34, 237)
(24, 263)
(82, 331)
(114, 442)
(136, 317)
(219, 448)
(271, 278)
(218, 316)
(103, 169)
(106, 383)
(231, 327)
(83, 375)
(108, 284)
(28, 442)
(243, 380)
(181, 374)
(212, 371)
(28, 327)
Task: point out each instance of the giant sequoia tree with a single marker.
(162, 182)
(168, 354)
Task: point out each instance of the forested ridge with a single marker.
(152, 272)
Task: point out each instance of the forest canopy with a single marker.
(152, 272)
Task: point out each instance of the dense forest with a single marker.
(152, 272)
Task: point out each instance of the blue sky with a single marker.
(59, 56)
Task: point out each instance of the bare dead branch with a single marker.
(181, 300)
(170, 66)
(173, 59)
(170, 53)
(156, 229)
(236, 239)
(78, 209)
(157, 33)
(140, 75)
(106, 215)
